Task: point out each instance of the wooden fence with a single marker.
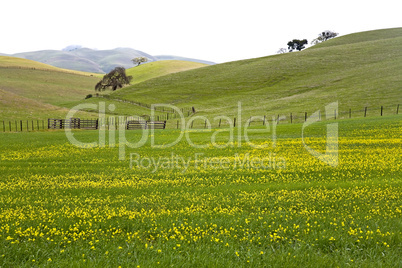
(185, 111)
(291, 118)
(117, 122)
(135, 124)
(73, 123)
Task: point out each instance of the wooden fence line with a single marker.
(297, 117)
(186, 110)
(116, 122)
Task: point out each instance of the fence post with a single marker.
(220, 122)
(381, 110)
(305, 116)
(263, 122)
(21, 124)
(234, 122)
(4, 127)
(350, 113)
(9, 123)
(335, 113)
(397, 109)
(291, 118)
(365, 111)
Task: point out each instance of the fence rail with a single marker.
(291, 118)
(73, 123)
(185, 111)
(117, 122)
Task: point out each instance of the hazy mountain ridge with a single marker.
(92, 60)
(169, 57)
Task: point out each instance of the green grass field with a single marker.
(62, 205)
(261, 194)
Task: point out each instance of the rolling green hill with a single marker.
(357, 70)
(33, 90)
(43, 82)
(159, 68)
(15, 107)
(14, 62)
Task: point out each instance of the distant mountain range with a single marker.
(92, 60)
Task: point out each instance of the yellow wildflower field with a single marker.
(274, 205)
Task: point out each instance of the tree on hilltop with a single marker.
(282, 50)
(297, 44)
(324, 36)
(139, 60)
(116, 78)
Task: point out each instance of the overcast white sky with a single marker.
(214, 30)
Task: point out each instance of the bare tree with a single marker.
(282, 50)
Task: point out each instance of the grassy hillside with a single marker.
(15, 107)
(14, 62)
(38, 91)
(171, 57)
(356, 70)
(33, 90)
(160, 68)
